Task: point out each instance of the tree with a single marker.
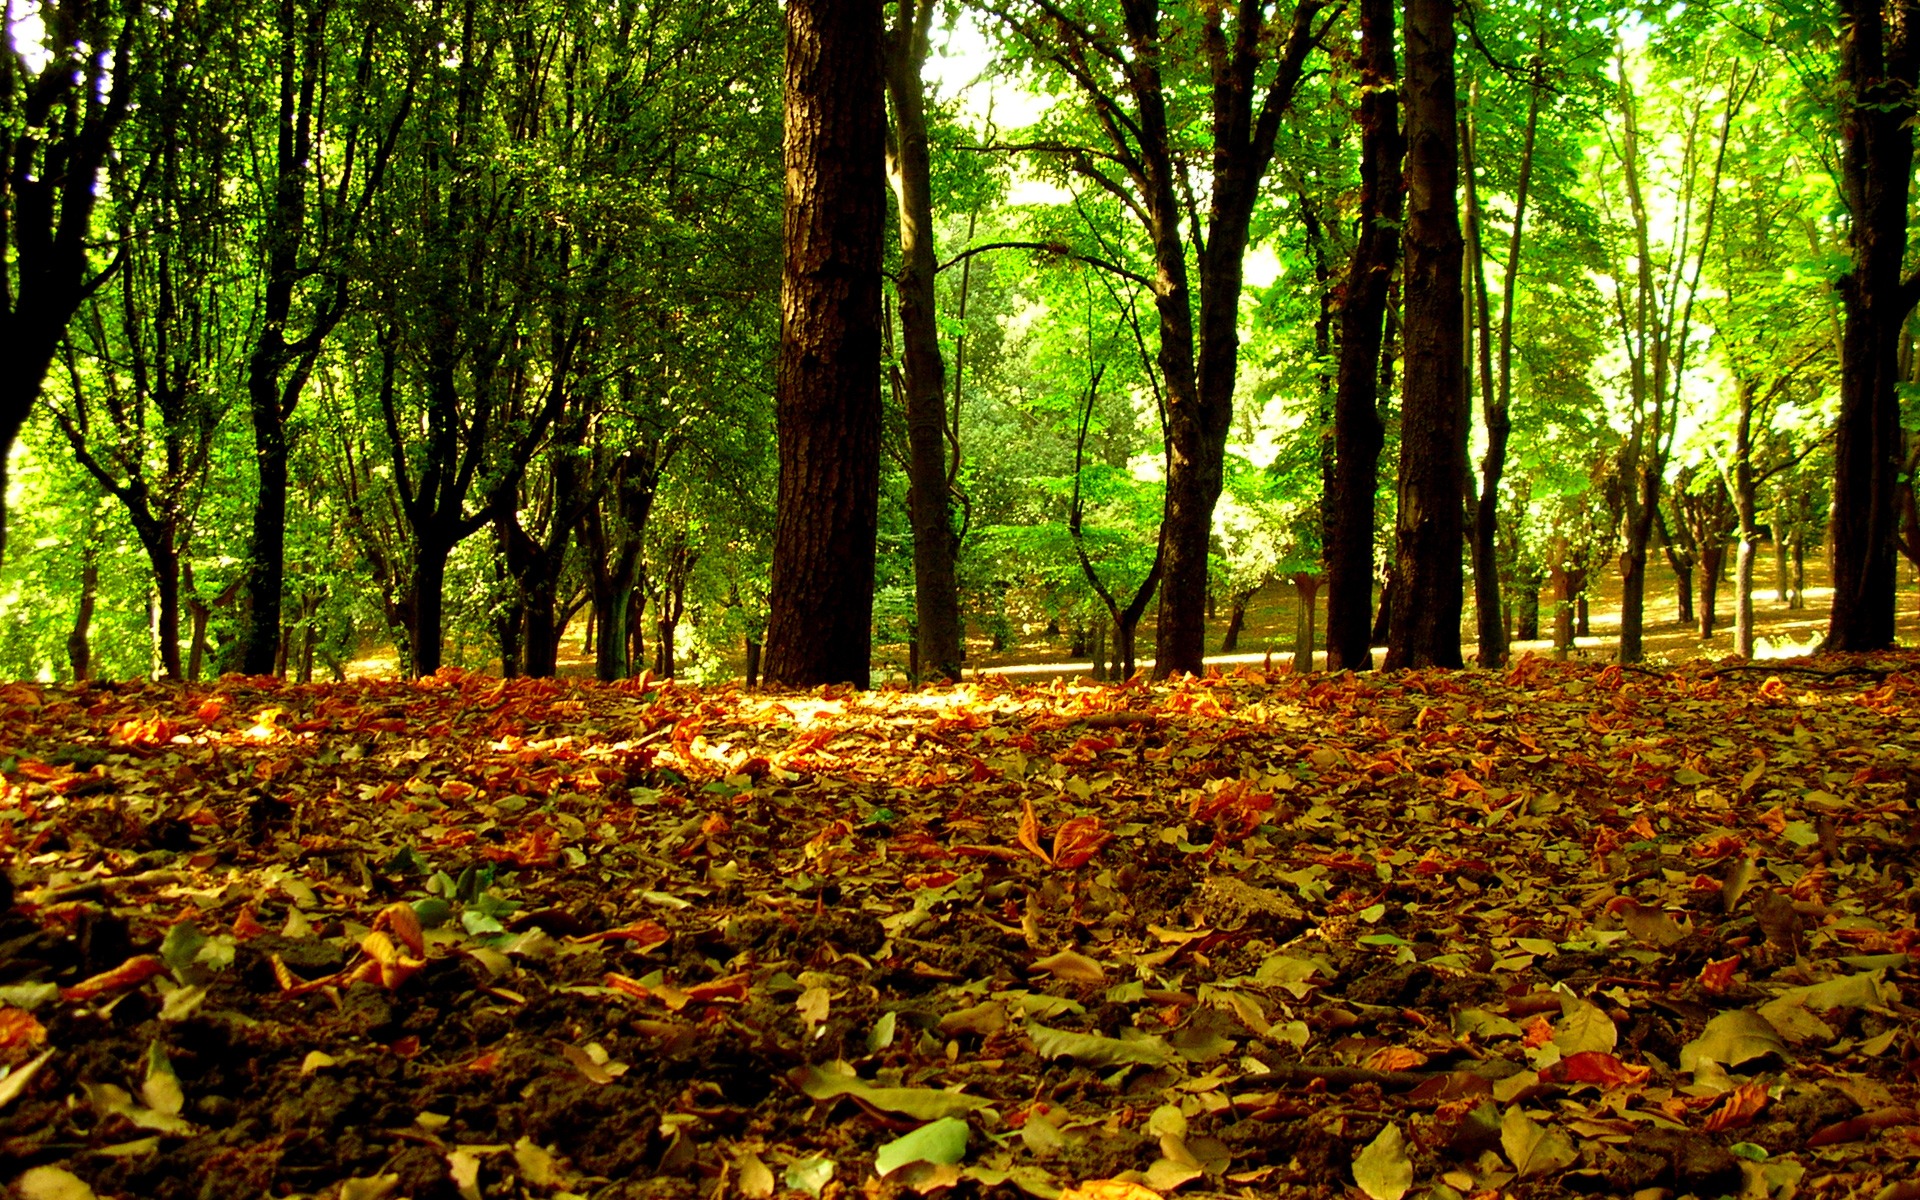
(1147, 90)
(827, 386)
(1359, 432)
(1429, 534)
(909, 170)
(1879, 70)
(61, 109)
(319, 179)
(1654, 289)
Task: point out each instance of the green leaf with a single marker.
(181, 946)
(433, 912)
(943, 1141)
(810, 1175)
(161, 1088)
(922, 1104)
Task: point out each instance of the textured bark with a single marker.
(828, 379)
(1430, 535)
(1357, 429)
(936, 590)
(1879, 66)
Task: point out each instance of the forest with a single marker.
(448, 332)
(508, 503)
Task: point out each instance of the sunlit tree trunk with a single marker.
(828, 380)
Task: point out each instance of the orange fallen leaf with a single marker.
(131, 973)
(1740, 1107)
(1077, 841)
(1029, 835)
(1716, 977)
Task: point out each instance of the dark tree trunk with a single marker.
(1677, 542)
(1429, 535)
(1879, 67)
(1358, 431)
(827, 388)
(80, 637)
(1713, 560)
(1527, 610)
(1236, 618)
(935, 588)
(277, 368)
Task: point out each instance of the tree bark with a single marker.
(1879, 68)
(1429, 534)
(1358, 432)
(935, 588)
(828, 379)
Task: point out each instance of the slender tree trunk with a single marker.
(80, 637)
(1429, 535)
(1236, 618)
(1359, 433)
(1879, 67)
(936, 590)
(828, 379)
(1496, 399)
(1306, 590)
(1713, 561)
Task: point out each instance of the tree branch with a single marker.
(1057, 250)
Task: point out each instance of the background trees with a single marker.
(453, 333)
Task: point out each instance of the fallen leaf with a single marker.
(1383, 1170)
(941, 1141)
(1532, 1148)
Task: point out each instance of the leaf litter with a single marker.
(1558, 930)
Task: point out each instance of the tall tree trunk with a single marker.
(1496, 392)
(827, 385)
(1429, 534)
(1879, 68)
(935, 589)
(1357, 429)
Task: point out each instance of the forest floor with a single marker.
(1563, 929)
